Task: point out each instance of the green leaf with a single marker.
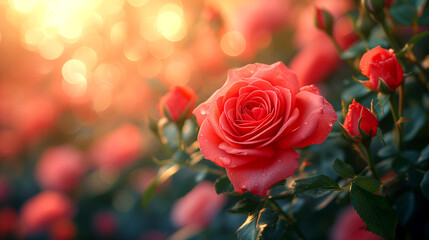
(405, 207)
(368, 183)
(388, 151)
(418, 119)
(415, 39)
(403, 14)
(424, 155)
(343, 169)
(315, 186)
(375, 211)
(256, 223)
(181, 156)
(223, 185)
(401, 164)
(244, 206)
(424, 185)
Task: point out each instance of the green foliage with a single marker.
(375, 211)
(343, 169)
(424, 185)
(244, 206)
(368, 183)
(223, 185)
(256, 223)
(315, 186)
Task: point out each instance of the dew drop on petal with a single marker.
(330, 124)
(203, 112)
(225, 161)
(305, 122)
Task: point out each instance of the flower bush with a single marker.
(227, 119)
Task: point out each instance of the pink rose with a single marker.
(251, 125)
(60, 168)
(349, 226)
(40, 212)
(197, 208)
(118, 149)
(177, 101)
(381, 64)
(368, 124)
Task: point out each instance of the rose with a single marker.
(178, 101)
(359, 117)
(197, 208)
(381, 64)
(351, 227)
(60, 168)
(251, 125)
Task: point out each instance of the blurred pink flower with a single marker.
(119, 148)
(40, 212)
(10, 144)
(257, 20)
(349, 226)
(8, 222)
(60, 168)
(104, 223)
(197, 208)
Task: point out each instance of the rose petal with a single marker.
(317, 117)
(258, 176)
(209, 147)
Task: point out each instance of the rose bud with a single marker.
(360, 123)
(60, 168)
(118, 149)
(324, 20)
(351, 227)
(197, 208)
(251, 125)
(180, 100)
(40, 212)
(381, 64)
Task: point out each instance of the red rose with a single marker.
(349, 226)
(251, 125)
(379, 63)
(60, 168)
(197, 208)
(177, 101)
(368, 124)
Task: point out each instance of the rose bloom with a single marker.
(379, 63)
(349, 226)
(118, 149)
(60, 168)
(197, 208)
(40, 212)
(251, 125)
(177, 101)
(368, 124)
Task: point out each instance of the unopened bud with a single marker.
(324, 20)
(374, 6)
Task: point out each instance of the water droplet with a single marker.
(225, 161)
(330, 124)
(256, 184)
(203, 112)
(305, 122)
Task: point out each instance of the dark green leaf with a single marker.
(244, 206)
(424, 155)
(223, 185)
(375, 211)
(181, 156)
(417, 121)
(403, 14)
(424, 185)
(343, 169)
(315, 186)
(388, 151)
(405, 207)
(256, 223)
(368, 183)
(401, 164)
(417, 38)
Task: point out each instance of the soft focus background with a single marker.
(79, 80)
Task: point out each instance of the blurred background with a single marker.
(80, 79)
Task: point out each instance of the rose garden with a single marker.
(185, 119)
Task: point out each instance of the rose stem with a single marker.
(394, 110)
(340, 52)
(180, 143)
(288, 218)
(370, 160)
